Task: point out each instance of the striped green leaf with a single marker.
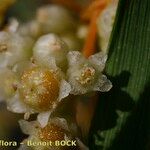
(122, 118)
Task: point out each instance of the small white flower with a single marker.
(48, 47)
(40, 89)
(13, 48)
(85, 75)
(56, 130)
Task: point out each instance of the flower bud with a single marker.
(55, 19)
(50, 46)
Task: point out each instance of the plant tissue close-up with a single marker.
(74, 75)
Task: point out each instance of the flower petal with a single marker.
(103, 84)
(27, 127)
(75, 57)
(98, 60)
(43, 118)
(15, 105)
(65, 89)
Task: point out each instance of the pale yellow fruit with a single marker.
(39, 88)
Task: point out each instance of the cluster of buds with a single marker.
(39, 70)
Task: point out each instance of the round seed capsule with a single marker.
(39, 88)
(50, 46)
(52, 133)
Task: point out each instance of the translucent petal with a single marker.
(27, 127)
(78, 90)
(103, 84)
(15, 105)
(75, 58)
(65, 89)
(98, 60)
(43, 118)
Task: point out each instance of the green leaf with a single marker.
(122, 118)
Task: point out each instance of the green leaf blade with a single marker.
(129, 51)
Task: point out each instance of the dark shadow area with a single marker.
(135, 135)
(23, 10)
(10, 127)
(116, 99)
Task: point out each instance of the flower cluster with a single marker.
(38, 85)
(38, 70)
